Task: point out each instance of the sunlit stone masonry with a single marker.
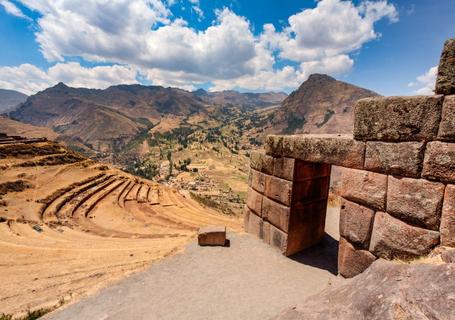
(397, 188)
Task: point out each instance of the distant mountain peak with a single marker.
(60, 85)
(320, 77)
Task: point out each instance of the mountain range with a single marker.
(9, 99)
(105, 121)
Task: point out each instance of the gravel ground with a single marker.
(248, 280)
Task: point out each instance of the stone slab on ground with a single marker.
(250, 280)
(212, 236)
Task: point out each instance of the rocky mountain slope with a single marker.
(9, 99)
(106, 120)
(248, 100)
(320, 105)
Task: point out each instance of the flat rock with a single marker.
(212, 236)
(333, 149)
(394, 239)
(445, 82)
(385, 291)
(397, 118)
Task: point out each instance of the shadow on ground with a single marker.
(323, 255)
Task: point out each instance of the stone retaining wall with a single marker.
(397, 188)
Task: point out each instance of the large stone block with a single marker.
(351, 261)
(447, 125)
(404, 158)
(255, 225)
(397, 118)
(365, 187)
(254, 201)
(445, 82)
(284, 168)
(439, 161)
(256, 180)
(278, 239)
(416, 201)
(212, 236)
(276, 213)
(261, 162)
(334, 149)
(356, 223)
(278, 189)
(394, 239)
(448, 217)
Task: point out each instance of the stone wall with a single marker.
(397, 188)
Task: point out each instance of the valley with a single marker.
(198, 142)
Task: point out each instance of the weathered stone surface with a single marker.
(356, 223)
(278, 239)
(448, 217)
(416, 201)
(404, 158)
(276, 213)
(254, 201)
(256, 180)
(334, 149)
(448, 256)
(255, 225)
(212, 236)
(246, 217)
(445, 82)
(278, 189)
(385, 291)
(266, 232)
(397, 118)
(394, 239)
(283, 168)
(364, 187)
(261, 162)
(439, 161)
(447, 125)
(351, 261)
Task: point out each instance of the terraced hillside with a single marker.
(69, 225)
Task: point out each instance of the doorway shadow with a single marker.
(324, 255)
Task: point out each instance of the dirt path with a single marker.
(249, 280)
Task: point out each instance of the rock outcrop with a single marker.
(385, 291)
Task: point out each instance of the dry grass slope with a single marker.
(78, 226)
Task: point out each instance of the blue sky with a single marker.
(391, 47)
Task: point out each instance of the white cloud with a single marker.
(334, 27)
(144, 35)
(425, 83)
(29, 79)
(12, 9)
